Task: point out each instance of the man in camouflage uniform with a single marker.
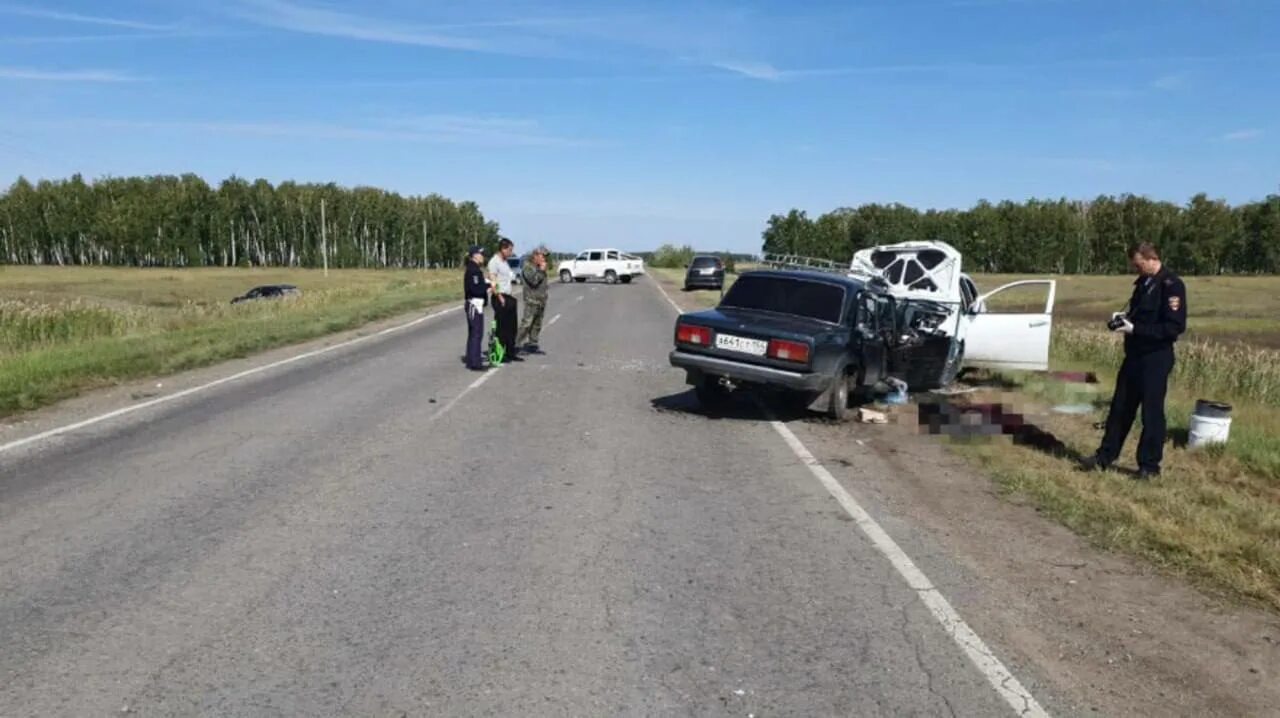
(533, 276)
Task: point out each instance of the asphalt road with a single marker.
(373, 532)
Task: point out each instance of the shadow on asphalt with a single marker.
(739, 407)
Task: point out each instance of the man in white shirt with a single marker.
(504, 305)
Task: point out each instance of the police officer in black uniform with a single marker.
(1157, 315)
(476, 291)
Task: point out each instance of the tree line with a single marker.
(1204, 236)
(673, 257)
(172, 221)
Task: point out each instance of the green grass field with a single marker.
(64, 330)
(1214, 515)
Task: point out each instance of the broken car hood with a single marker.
(913, 270)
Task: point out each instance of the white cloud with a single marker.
(754, 70)
(22, 73)
(1169, 82)
(1242, 135)
(79, 18)
(333, 23)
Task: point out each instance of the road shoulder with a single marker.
(1140, 641)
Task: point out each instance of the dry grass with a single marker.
(1221, 309)
(63, 330)
(1214, 515)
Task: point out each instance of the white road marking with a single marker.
(554, 319)
(581, 297)
(1000, 678)
(1009, 688)
(474, 385)
(217, 382)
(667, 297)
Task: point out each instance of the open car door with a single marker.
(1015, 340)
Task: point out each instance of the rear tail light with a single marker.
(789, 351)
(690, 334)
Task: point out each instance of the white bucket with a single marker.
(1206, 430)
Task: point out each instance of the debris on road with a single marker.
(897, 391)
(870, 416)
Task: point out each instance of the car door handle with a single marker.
(1038, 323)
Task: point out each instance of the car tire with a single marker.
(838, 397)
(952, 368)
(610, 277)
(565, 276)
(626, 279)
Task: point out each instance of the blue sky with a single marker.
(635, 124)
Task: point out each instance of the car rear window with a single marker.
(784, 295)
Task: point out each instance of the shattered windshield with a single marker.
(785, 295)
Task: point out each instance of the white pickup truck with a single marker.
(611, 265)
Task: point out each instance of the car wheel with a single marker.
(626, 279)
(838, 397)
(565, 276)
(610, 277)
(952, 368)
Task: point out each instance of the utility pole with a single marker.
(324, 239)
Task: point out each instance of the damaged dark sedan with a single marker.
(817, 336)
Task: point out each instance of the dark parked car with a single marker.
(815, 335)
(269, 291)
(704, 272)
(516, 263)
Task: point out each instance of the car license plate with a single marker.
(741, 344)
(707, 271)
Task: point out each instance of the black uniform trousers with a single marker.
(1143, 381)
(505, 314)
(475, 336)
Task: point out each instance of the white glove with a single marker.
(1126, 327)
(475, 305)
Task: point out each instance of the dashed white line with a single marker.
(1000, 678)
(217, 382)
(471, 387)
(997, 675)
(554, 319)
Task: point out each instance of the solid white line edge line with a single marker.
(18, 443)
(1009, 688)
(1000, 678)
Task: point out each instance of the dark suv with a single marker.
(704, 272)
